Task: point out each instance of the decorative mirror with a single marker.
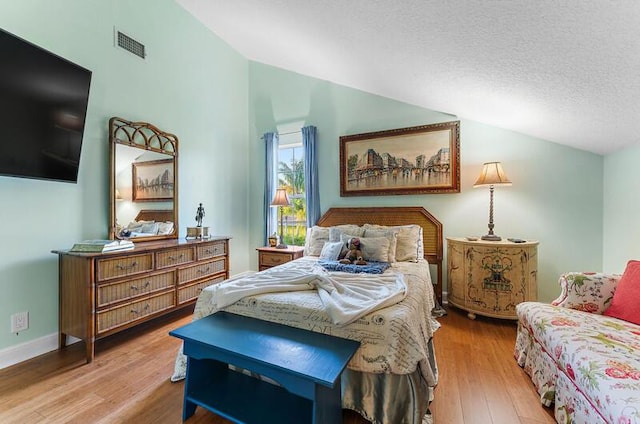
(144, 181)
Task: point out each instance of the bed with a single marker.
(391, 378)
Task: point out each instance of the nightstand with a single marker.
(491, 277)
(271, 256)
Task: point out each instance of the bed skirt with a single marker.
(389, 398)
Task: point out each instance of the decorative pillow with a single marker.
(625, 303)
(134, 226)
(420, 243)
(336, 231)
(316, 238)
(389, 233)
(409, 244)
(331, 250)
(165, 228)
(149, 228)
(586, 291)
(373, 248)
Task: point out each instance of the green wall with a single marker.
(192, 84)
(555, 197)
(621, 209)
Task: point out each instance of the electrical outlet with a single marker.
(19, 322)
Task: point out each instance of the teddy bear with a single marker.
(354, 254)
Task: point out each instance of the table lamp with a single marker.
(491, 175)
(281, 199)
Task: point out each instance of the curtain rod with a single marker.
(287, 133)
(291, 132)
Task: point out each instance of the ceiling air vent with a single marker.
(130, 45)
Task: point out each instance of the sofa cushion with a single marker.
(586, 291)
(626, 300)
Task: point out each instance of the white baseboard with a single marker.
(27, 350)
(444, 298)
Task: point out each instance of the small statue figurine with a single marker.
(200, 215)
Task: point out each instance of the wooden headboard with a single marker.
(431, 228)
(158, 215)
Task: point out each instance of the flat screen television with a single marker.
(43, 106)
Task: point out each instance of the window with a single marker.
(291, 176)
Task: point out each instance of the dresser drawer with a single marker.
(115, 292)
(116, 317)
(174, 257)
(273, 259)
(196, 272)
(211, 250)
(122, 266)
(187, 293)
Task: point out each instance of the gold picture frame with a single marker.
(414, 160)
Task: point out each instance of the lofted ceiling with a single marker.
(564, 71)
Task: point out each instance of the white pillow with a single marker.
(165, 228)
(373, 248)
(149, 228)
(420, 243)
(391, 234)
(316, 238)
(336, 231)
(134, 226)
(409, 245)
(331, 250)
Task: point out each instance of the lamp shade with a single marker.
(280, 198)
(492, 174)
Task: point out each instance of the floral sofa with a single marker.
(579, 358)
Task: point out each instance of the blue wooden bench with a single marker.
(307, 365)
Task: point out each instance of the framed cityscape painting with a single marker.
(415, 160)
(153, 181)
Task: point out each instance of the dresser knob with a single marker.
(125, 267)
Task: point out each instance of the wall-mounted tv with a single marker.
(43, 105)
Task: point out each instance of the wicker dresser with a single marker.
(103, 293)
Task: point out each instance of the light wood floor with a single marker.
(128, 382)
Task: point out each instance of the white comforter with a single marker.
(345, 297)
(394, 339)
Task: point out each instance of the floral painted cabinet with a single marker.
(491, 277)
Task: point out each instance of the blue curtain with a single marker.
(271, 148)
(312, 190)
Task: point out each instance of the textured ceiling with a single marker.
(564, 71)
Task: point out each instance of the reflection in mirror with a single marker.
(143, 181)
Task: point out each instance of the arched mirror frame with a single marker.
(145, 136)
